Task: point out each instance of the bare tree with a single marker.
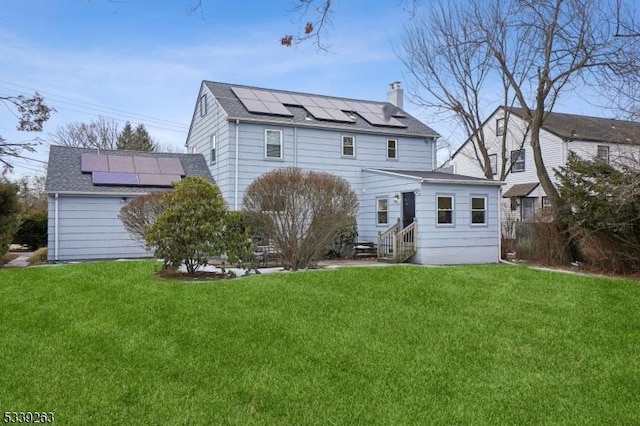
(301, 211)
(539, 50)
(140, 213)
(313, 18)
(454, 74)
(31, 113)
(100, 133)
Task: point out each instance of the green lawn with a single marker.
(104, 343)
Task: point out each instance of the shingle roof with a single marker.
(236, 110)
(438, 176)
(520, 190)
(64, 174)
(585, 128)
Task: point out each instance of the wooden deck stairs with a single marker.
(397, 245)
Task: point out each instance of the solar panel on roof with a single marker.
(261, 102)
(114, 178)
(148, 179)
(146, 165)
(264, 95)
(321, 102)
(380, 120)
(171, 166)
(93, 163)
(304, 100)
(341, 105)
(339, 115)
(357, 106)
(119, 163)
(374, 108)
(255, 106)
(243, 93)
(328, 114)
(285, 98)
(277, 108)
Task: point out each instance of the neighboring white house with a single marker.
(615, 141)
(387, 156)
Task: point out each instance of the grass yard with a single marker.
(104, 343)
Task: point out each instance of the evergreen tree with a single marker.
(138, 140)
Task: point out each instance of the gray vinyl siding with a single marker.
(462, 242)
(89, 228)
(382, 186)
(214, 123)
(318, 149)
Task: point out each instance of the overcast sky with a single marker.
(143, 61)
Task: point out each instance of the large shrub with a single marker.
(9, 215)
(301, 211)
(33, 229)
(604, 212)
(190, 226)
(140, 213)
(238, 242)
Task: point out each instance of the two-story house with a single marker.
(615, 141)
(387, 156)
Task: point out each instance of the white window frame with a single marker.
(452, 210)
(484, 209)
(600, 155)
(378, 210)
(520, 153)
(395, 149)
(204, 107)
(212, 149)
(500, 126)
(266, 144)
(493, 163)
(353, 146)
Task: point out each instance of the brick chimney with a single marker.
(395, 95)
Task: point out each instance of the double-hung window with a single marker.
(493, 163)
(212, 147)
(603, 153)
(517, 160)
(273, 143)
(392, 149)
(478, 210)
(445, 209)
(348, 146)
(203, 105)
(382, 213)
(500, 127)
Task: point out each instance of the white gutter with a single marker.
(55, 229)
(235, 203)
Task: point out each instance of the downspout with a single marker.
(235, 203)
(295, 147)
(55, 228)
(434, 153)
(499, 203)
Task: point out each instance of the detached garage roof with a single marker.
(93, 171)
(520, 190)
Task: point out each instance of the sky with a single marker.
(143, 61)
